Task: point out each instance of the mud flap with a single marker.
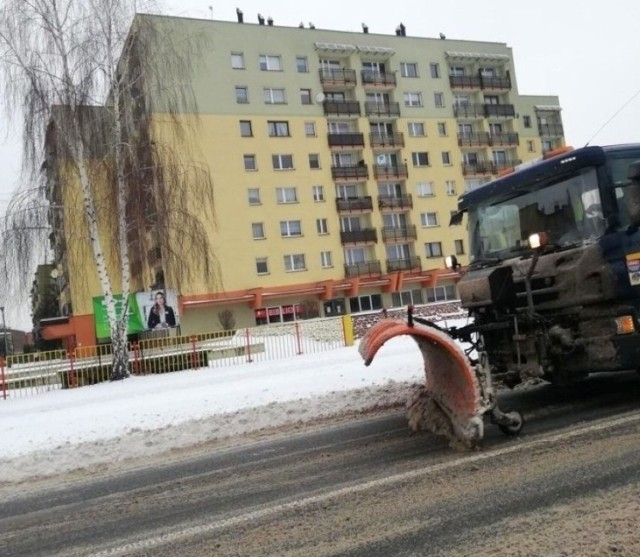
(450, 402)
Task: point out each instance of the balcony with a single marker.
(550, 130)
(350, 173)
(476, 139)
(382, 110)
(341, 108)
(380, 79)
(399, 233)
(390, 171)
(465, 82)
(499, 110)
(507, 139)
(504, 165)
(468, 110)
(366, 268)
(346, 139)
(395, 202)
(407, 264)
(386, 139)
(339, 77)
(364, 236)
(476, 168)
(497, 83)
(354, 204)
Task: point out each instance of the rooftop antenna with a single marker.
(365, 28)
(613, 116)
(311, 26)
(443, 36)
(240, 16)
(211, 10)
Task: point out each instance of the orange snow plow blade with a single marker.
(450, 402)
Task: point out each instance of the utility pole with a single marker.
(4, 332)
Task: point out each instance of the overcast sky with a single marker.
(586, 53)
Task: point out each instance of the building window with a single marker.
(318, 193)
(257, 230)
(262, 266)
(242, 95)
(314, 161)
(250, 162)
(450, 185)
(438, 99)
(530, 146)
(365, 303)
(286, 195)
(406, 298)
(290, 228)
(416, 129)
(253, 195)
(245, 128)
(237, 60)
(433, 249)
(429, 219)
(459, 245)
(434, 69)
(526, 121)
(425, 189)
(441, 293)
(408, 69)
(413, 99)
(420, 158)
(273, 96)
(302, 64)
(278, 129)
(310, 129)
(326, 260)
(446, 158)
(282, 162)
(321, 226)
(270, 63)
(294, 262)
(442, 129)
(305, 96)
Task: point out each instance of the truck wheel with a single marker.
(516, 423)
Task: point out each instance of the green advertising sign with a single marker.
(135, 322)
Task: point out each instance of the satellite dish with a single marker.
(320, 97)
(381, 159)
(54, 273)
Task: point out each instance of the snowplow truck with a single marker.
(552, 289)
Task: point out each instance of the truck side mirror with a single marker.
(632, 193)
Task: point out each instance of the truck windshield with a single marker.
(568, 210)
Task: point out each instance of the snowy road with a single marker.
(365, 488)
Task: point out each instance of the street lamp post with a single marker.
(4, 332)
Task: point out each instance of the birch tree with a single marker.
(87, 77)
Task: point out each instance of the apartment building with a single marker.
(337, 159)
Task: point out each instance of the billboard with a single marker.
(148, 310)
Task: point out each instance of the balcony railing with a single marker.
(378, 78)
(407, 264)
(386, 139)
(395, 201)
(354, 172)
(480, 167)
(389, 110)
(502, 110)
(341, 108)
(366, 268)
(476, 110)
(390, 233)
(474, 139)
(346, 139)
(354, 204)
(495, 82)
(506, 139)
(503, 165)
(385, 171)
(364, 236)
(550, 130)
(465, 81)
(340, 76)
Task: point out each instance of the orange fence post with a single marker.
(72, 372)
(298, 341)
(3, 379)
(247, 336)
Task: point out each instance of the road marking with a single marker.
(178, 535)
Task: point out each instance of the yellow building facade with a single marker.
(336, 160)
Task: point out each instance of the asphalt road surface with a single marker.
(568, 485)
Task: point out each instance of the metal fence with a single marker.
(23, 375)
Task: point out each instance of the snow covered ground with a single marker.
(145, 416)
